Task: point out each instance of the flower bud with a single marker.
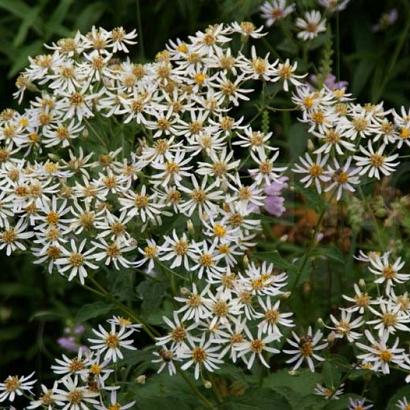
(207, 384)
(141, 379)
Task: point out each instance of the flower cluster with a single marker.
(83, 380)
(309, 25)
(349, 141)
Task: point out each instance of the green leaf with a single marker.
(152, 294)
(15, 7)
(22, 56)
(93, 310)
(297, 137)
(256, 399)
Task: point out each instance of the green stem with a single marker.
(141, 38)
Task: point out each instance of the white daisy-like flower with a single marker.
(304, 349)
(74, 397)
(342, 178)
(387, 272)
(76, 261)
(247, 29)
(379, 355)
(314, 170)
(15, 386)
(275, 10)
(286, 72)
(329, 393)
(273, 318)
(255, 346)
(344, 327)
(111, 342)
(311, 25)
(166, 358)
(47, 399)
(359, 404)
(374, 162)
(200, 354)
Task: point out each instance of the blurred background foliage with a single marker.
(35, 307)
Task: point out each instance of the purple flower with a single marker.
(68, 343)
(330, 82)
(274, 200)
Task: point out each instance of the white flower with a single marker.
(304, 349)
(141, 204)
(344, 326)
(315, 170)
(361, 300)
(255, 346)
(342, 178)
(195, 304)
(388, 273)
(74, 397)
(47, 399)
(111, 342)
(11, 237)
(272, 11)
(389, 319)
(286, 73)
(329, 393)
(266, 172)
(202, 197)
(16, 386)
(403, 404)
(76, 260)
(272, 317)
(247, 29)
(200, 354)
(332, 6)
(375, 163)
(379, 355)
(178, 334)
(75, 366)
(179, 250)
(310, 25)
(359, 404)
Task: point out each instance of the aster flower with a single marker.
(329, 393)
(387, 272)
(255, 346)
(311, 25)
(200, 354)
(111, 342)
(315, 170)
(378, 354)
(15, 386)
(275, 10)
(375, 163)
(304, 349)
(74, 397)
